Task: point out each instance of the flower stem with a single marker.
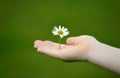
(59, 43)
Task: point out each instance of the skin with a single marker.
(82, 48)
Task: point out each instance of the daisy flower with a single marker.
(61, 31)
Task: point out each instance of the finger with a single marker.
(48, 49)
(71, 40)
(50, 42)
(36, 43)
(54, 43)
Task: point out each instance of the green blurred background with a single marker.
(24, 21)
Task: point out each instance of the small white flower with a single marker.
(61, 31)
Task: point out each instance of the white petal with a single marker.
(66, 33)
(61, 36)
(65, 30)
(55, 28)
(54, 32)
(59, 27)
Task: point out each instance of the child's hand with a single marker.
(75, 49)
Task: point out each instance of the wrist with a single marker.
(105, 56)
(95, 50)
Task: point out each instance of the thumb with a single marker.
(71, 40)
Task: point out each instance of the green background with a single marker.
(24, 21)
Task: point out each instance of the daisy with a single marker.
(61, 31)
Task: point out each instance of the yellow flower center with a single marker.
(60, 32)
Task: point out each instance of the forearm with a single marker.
(106, 56)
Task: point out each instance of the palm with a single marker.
(49, 47)
(67, 52)
(76, 48)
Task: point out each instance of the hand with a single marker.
(75, 49)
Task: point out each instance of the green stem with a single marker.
(59, 43)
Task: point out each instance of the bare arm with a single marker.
(82, 48)
(105, 56)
